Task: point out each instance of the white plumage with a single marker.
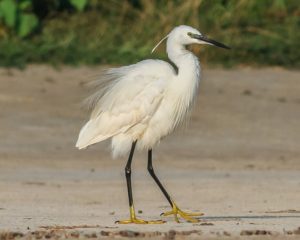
(145, 101)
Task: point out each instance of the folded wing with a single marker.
(132, 96)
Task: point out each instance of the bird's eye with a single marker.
(190, 34)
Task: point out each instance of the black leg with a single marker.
(128, 174)
(152, 173)
(133, 218)
(175, 210)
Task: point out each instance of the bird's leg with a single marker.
(133, 218)
(175, 209)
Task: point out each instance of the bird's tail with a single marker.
(89, 136)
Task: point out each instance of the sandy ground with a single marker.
(238, 161)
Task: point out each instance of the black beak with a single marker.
(210, 41)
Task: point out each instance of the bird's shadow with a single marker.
(235, 218)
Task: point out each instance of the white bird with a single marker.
(140, 104)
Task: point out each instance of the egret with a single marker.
(140, 104)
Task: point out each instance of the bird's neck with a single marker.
(184, 87)
(186, 62)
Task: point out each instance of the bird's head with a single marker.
(186, 35)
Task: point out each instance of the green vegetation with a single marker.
(264, 32)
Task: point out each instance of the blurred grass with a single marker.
(261, 33)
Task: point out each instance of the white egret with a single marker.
(139, 104)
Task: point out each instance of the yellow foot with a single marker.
(135, 220)
(139, 221)
(187, 216)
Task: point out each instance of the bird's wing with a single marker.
(132, 97)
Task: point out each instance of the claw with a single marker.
(139, 221)
(187, 216)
